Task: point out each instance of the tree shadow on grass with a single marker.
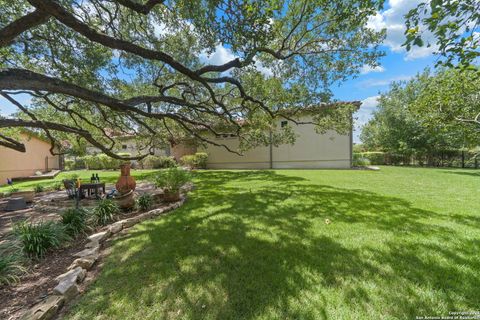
(234, 252)
(463, 173)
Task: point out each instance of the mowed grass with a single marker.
(402, 242)
(108, 176)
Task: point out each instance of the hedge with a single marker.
(197, 160)
(373, 157)
(157, 162)
(95, 162)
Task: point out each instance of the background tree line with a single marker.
(433, 119)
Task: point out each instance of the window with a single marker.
(283, 124)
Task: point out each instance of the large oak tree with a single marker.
(143, 67)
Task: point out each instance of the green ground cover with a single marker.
(402, 242)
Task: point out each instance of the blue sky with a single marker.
(396, 65)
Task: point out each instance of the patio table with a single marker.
(91, 188)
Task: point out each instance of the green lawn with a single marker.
(105, 176)
(403, 242)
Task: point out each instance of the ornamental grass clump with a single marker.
(37, 238)
(11, 263)
(145, 201)
(75, 221)
(105, 212)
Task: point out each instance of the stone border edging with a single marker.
(67, 288)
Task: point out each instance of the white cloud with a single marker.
(393, 20)
(222, 55)
(364, 114)
(267, 72)
(368, 69)
(160, 29)
(369, 83)
(370, 102)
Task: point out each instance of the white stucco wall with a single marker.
(311, 150)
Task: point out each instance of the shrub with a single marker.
(38, 238)
(149, 162)
(157, 162)
(201, 159)
(74, 164)
(145, 201)
(197, 160)
(105, 212)
(92, 162)
(172, 179)
(58, 186)
(79, 164)
(359, 160)
(102, 161)
(166, 162)
(363, 162)
(11, 263)
(75, 221)
(69, 164)
(375, 157)
(39, 188)
(188, 160)
(110, 163)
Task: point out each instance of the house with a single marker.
(310, 150)
(15, 164)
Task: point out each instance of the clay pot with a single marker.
(126, 182)
(171, 196)
(125, 201)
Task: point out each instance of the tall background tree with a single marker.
(142, 67)
(432, 113)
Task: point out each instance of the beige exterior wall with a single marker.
(220, 158)
(23, 164)
(311, 150)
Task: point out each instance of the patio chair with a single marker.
(70, 188)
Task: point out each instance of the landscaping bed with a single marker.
(35, 285)
(53, 242)
(37, 282)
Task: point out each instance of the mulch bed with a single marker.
(40, 279)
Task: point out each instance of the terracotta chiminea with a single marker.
(126, 182)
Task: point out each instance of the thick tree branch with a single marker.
(12, 143)
(18, 123)
(68, 19)
(17, 27)
(140, 8)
